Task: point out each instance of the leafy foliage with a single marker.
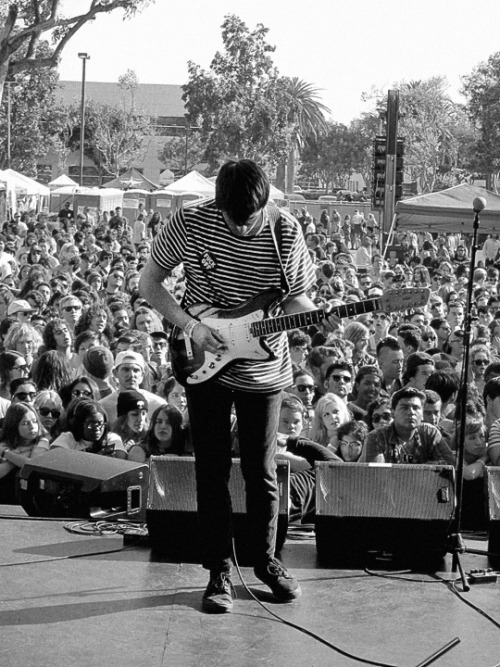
(36, 121)
(25, 23)
(241, 103)
(335, 155)
(482, 89)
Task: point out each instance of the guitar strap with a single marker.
(276, 232)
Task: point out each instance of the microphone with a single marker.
(479, 204)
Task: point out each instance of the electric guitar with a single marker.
(245, 327)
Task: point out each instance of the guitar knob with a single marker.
(218, 357)
(211, 365)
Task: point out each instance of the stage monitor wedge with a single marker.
(172, 509)
(404, 510)
(67, 483)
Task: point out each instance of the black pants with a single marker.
(210, 407)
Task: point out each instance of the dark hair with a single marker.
(432, 396)
(80, 411)
(293, 403)
(406, 392)
(411, 337)
(340, 365)
(374, 405)
(492, 371)
(174, 417)
(296, 338)
(7, 361)
(87, 336)
(241, 188)
(491, 389)
(10, 426)
(67, 390)
(17, 382)
(444, 382)
(48, 333)
(51, 371)
(390, 342)
(353, 427)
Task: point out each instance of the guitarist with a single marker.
(230, 254)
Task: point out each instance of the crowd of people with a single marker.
(84, 361)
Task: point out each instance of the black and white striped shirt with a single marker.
(224, 270)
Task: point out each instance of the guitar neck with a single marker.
(306, 319)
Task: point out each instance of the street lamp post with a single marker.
(84, 57)
(9, 111)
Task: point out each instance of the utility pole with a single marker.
(84, 57)
(391, 152)
(9, 112)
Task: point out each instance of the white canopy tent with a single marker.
(23, 193)
(192, 182)
(61, 181)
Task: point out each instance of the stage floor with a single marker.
(126, 609)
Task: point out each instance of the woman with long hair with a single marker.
(82, 387)
(132, 421)
(87, 431)
(330, 412)
(57, 336)
(22, 438)
(50, 409)
(165, 435)
(52, 371)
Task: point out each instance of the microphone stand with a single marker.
(456, 542)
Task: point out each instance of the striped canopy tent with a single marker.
(449, 211)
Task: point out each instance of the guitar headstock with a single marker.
(404, 299)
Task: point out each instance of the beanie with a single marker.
(98, 361)
(130, 400)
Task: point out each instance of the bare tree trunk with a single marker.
(292, 167)
(281, 176)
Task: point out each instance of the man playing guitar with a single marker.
(233, 248)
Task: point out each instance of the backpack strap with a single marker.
(275, 225)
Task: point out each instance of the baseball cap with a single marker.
(129, 357)
(19, 306)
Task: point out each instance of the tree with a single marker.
(432, 126)
(334, 156)
(241, 103)
(482, 90)
(182, 154)
(25, 23)
(306, 120)
(114, 137)
(36, 120)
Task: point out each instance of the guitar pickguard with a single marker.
(240, 344)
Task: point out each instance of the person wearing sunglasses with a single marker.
(23, 390)
(49, 407)
(12, 365)
(480, 357)
(303, 388)
(70, 308)
(379, 413)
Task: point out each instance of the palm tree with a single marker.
(306, 119)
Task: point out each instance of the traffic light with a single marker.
(400, 150)
(379, 169)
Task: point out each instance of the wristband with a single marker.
(189, 328)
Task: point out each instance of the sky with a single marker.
(341, 47)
